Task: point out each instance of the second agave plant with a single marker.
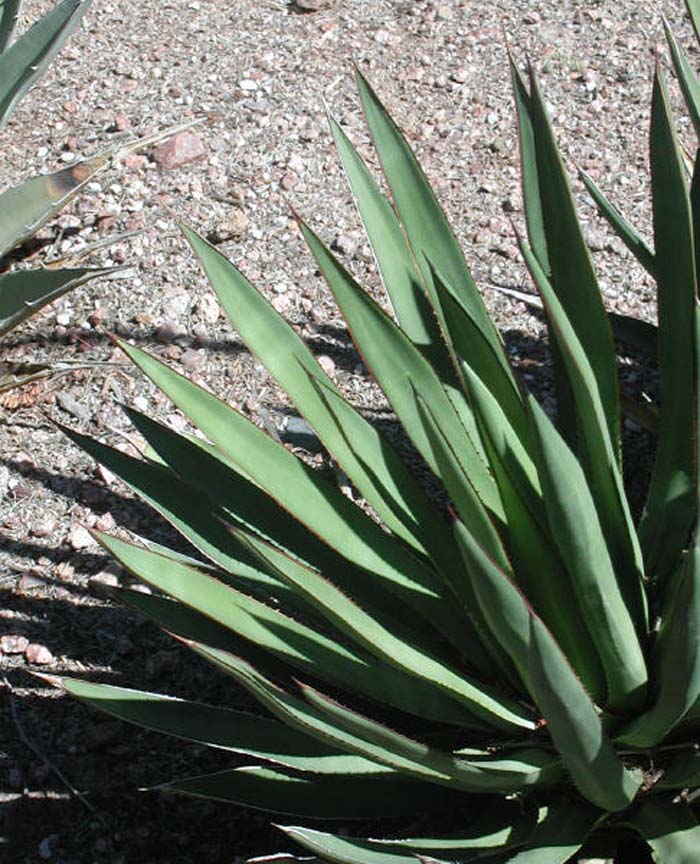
(524, 665)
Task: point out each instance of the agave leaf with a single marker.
(389, 748)
(423, 220)
(400, 275)
(558, 836)
(600, 464)
(671, 830)
(682, 772)
(223, 728)
(576, 529)
(675, 662)
(344, 613)
(624, 230)
(25, 60)
(9, 15)
(687, 79)
(669, 508)
(400, 370)
(348, 850)
(557, 241)
(327, 796)
(575, 726)
(367, 458)
(191, 512)
(541, 572)
(311, 499)
(270, 629)
(24, 292)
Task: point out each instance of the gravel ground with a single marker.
(258, 73)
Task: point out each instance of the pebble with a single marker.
(12, 643)
(38, 654)
(193, 360)
(168, 332)
(80, 538)
(208, 308)
(297, 432)
(182, 149)
(232, 227)
(327, 364)
(71, 406)
(43, 528)
(105, 522)
(345, 244)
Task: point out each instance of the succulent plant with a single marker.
(523, 665)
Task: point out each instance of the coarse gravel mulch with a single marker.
(259, 75)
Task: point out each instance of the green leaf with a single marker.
(401, 370)
(24, 292)
(599, 462)
(666, 521)
(222, 728)
(9, 15)
(693, 7)
(682, 772)
(400, 275)
(381, 744)
(480, 699)
(675, 661)
(423, 220)
(671, 830)
(558, 836)
(27, 58)
(367, 458)
(687, 79)
(305, 494)
(624, 230)
(540, 570)
(296, 643)
(575, 726)
(557, 241)
(321, 797)
(578, 534)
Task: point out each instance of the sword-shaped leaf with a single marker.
(9, 15)
(600, 464)
(24, 292)
(629, 235)
(671, 829)
(669, 508)
(479, 699)
(560, 249)
(693, 7)
(675, 662)
(223, 728)
(422, 218)
(401, 370)
(576, 529)
(575, 726)
(687, 79)
(558, 836)
(327, 796)
(25, 60)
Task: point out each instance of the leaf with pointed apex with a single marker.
(671, 830)
(629, 235)
(575, 726)
(400, 370)
(223, 728)
(27, 58)
(669, 508)
(401, 277)
(327, 796)
(599, 462)
(9, 15)
(577, 532)
(479, 699)
(675, 662)
(558, 836)
(24, 292)
(423, 219)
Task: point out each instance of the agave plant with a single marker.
(522, 665)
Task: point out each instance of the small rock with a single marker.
(248, 85)
(445, 13)
(12, 643)
(168, 332)
(208, 309)
(43, 528)
(37, 654)
(46, 846)
(105, 578)
(181, 149)
(299, 433)
(233, 227)
(311, 5)
(193, 360)
(31, 581)
(344, 244)
(289, 181)
(121, 123)
(327, 364)
(105, 475)
(80, 538)
(71, 406)
(105, 522)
